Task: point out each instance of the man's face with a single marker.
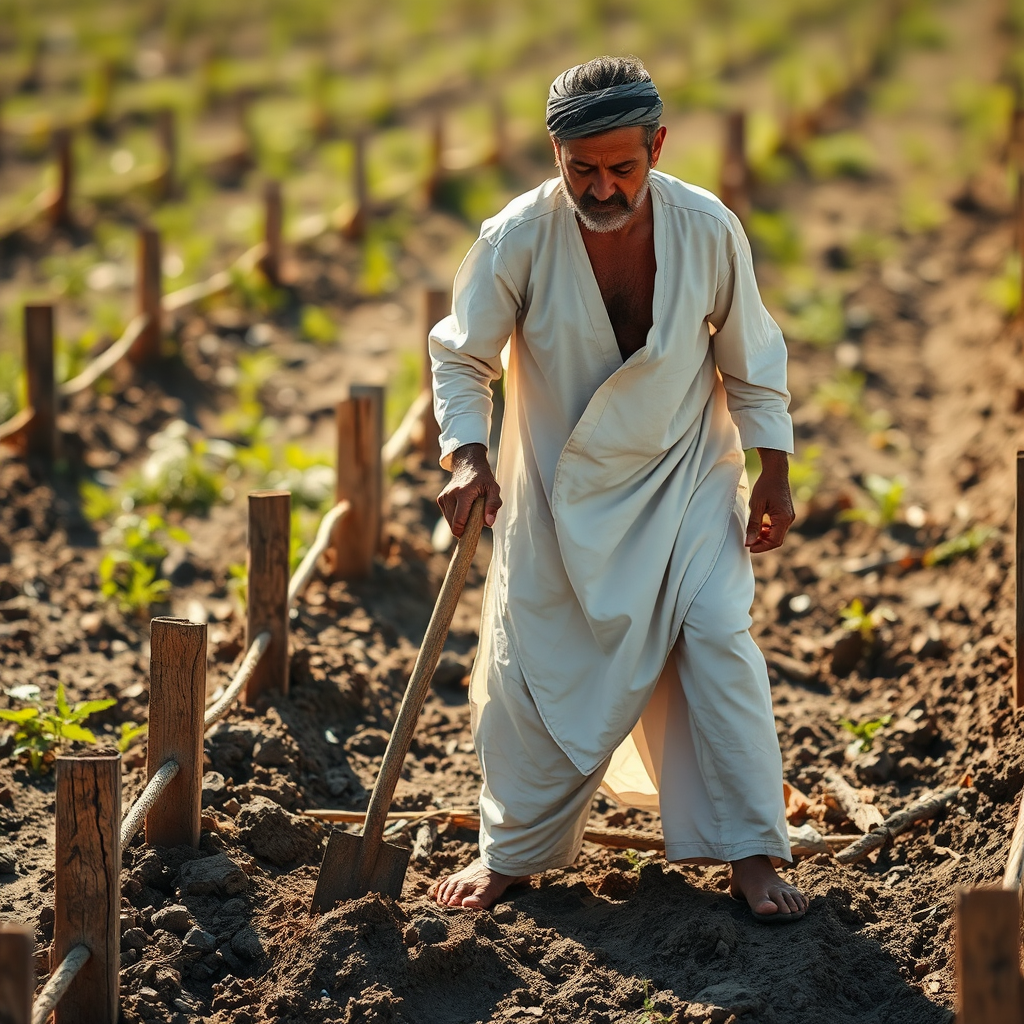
(605, 177)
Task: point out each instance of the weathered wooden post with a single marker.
(17, 973)
(499, 120)
(360, 425)
(735, 176)
(177, 701)
(41, 432)
(436, 175)
(150, 295)
(1019, 551)
(167, 136)
(355, 230)
(273, 222)
(269, 548)
(87, 885)
(437, 305)
(988, 956)
(60, 211)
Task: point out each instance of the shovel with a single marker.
(356, 865)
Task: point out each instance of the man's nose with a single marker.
(603, 187)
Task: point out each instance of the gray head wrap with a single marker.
(622, 106)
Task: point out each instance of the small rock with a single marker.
(721, 948)
(247, 945)
(150, 868)
(215, 789)
(8, 860)
(275, 751)
(275, 835)
(503, 913)
(91, 624)
(134, 938)
(217, 875)
(371, 742)
(174, 918)
(231, 806)
(451, 670)
(410, 936)
(847, 654)
(431, 930)
(199, 941)
(875, 766)
(169, 945)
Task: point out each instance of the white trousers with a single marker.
(704, 753)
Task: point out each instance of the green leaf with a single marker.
(63, 709)
(76, 733)
(130, 731)
(22, 715)
(85, 708)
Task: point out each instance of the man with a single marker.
(614, 641)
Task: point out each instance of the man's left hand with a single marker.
(771, 504)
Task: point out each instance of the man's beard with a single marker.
(604, 215)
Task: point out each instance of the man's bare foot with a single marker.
(474, 887)
(770, 898)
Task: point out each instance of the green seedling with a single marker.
(1002, 291)
(650, 1013)
(815, 316)
(965, 543)
(805, 475)
(179, 473)
(840, 155)
(887, 496)
(128, 571)
(130, 732)
(378, 275)
(858, 620)
(238, 584)
(920, 210)
(42, 731)
(865, 731)
(317, 325)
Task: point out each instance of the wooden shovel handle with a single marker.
(419, 681)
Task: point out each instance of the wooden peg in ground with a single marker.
(864, 816)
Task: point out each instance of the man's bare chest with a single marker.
(626, 281)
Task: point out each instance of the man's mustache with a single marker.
(616, 201)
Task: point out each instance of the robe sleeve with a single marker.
(750, 351)
(465, 347)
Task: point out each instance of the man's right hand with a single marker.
(471, 477)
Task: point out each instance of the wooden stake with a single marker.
(735, 175)
(177, 702)
(60, 211)
(988, 956)
(437, 305)
(269, 544)
(273, 220)
(41, 433)
(1018, 691)
(360, 423)
(17, 973)
(150, 294)
(167, 135)
(436, 175)
(355, 230)
(87, 885)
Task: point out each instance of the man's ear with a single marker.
(558, 150)
(656, 144)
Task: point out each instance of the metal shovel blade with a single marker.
(343, 877)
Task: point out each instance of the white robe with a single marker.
(618, 478)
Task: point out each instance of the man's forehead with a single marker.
(618, 144)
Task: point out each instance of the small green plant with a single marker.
(238, 584)
(805, 475)
(42, 731)
(179, 473)
(637, 861)
(130, 732)
(887, 497)
(965, 543)
(128, 571)
(317, 325)
(865, 731)
(815, 316)
(920, 210)
(1002, 291)
(839, 155)
(650, 1013)
(858, 620)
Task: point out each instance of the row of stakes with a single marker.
(91, 831)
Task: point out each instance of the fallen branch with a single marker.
(922, 810)
(865, 816)
(465, 817)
